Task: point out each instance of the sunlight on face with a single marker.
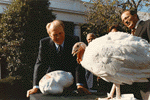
(129, 20)
(90, 37)
(57, 34)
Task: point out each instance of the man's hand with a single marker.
(82, 90)
(32, 91)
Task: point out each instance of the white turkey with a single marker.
(55, 82)
(117, 57)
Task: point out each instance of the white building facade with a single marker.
(69, 11)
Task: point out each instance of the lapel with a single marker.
(67, 44)
(139, 29)
(52, 46)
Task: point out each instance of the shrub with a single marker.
(22, 26)
(11, 87)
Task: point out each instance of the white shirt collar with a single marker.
(137, 23)
(62, 45)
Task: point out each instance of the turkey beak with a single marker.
(74, 53)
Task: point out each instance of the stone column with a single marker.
(77, 31)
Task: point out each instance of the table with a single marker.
(73, 96)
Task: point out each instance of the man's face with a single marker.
(129, 20)
(57, 34)
(90, 37)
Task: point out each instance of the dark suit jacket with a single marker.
(143, 30)
(49, 60)
(87, 77)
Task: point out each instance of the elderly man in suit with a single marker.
(141, 29)
(55, 54)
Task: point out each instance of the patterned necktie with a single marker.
(59, 48)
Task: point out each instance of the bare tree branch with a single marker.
(134, 4)
(138, 3)
(105, 13)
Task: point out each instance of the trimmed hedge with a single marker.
(14, 87)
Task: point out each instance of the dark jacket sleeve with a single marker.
(40, 66)
(80, 75)
(148, 30)
(143, 30)
(80, 71)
